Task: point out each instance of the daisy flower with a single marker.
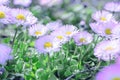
(23, 17)
(112, 6)
(38, 30)
(54, 25)
(59, 36)
(102, 16)
(47, 44)
(111, 72)
(109, 29)
(4, 2)
(5, 54)
(83, 37)
(24, 3)
(5, 15)
(107, 50)
(68, 30)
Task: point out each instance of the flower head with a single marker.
(112, 6)
(68, 30)
(83, 37)
(47, 44)
(24, 3)
(23, 17)
(5, 15)
(111, 72)
(4, 53)
(38, 30)
(59, 36)
(107, 50)
(109, 29)
(102, 16)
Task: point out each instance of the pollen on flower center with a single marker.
(82, 40)
(68, 32)
(60, 37)
(108, 31)
(48, 45)
(117, 78)
(103, 19)
(38, 33)
(20, 17)
(109, 48)
(2, 15)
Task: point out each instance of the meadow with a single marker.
(59, 40)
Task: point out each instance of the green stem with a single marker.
(16, 31)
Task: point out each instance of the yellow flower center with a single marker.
(2, 15)
(38, 33)
(68, 32)
(108, 31)
(60, 37)
(82, 40)
(103, 19)
(48, 45)
(20, 17)
(117, 78)
(109, 48)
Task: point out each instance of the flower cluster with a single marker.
(52, 35)
(107, 27)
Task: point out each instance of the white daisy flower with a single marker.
(38, 30)
(23, 17)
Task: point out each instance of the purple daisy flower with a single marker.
(109, 29)
(5, 54)
(83, 37)
(107, 50)
(23, 17)
(103, 16)
(24, 3)
(68, 30)
(59, 36)
(111, 72)
(47, 44)
(54, 25)
(112, 6)
(5, 15)
(38, 30)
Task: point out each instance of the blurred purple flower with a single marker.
(111, 72)
(112, 6)
(5, 54)
(24, 3)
